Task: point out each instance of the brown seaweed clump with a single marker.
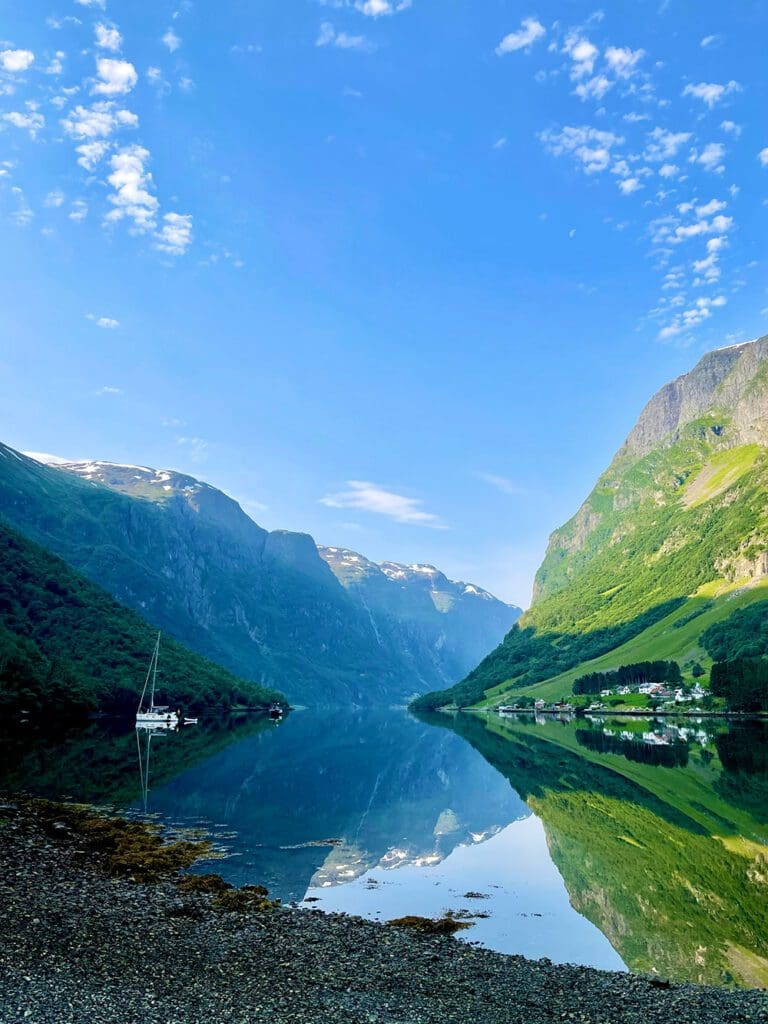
(135, 850)
(430, 925)
(225, 896)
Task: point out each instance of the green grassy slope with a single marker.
(673, 537)
(67, 647)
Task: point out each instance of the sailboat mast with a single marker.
(154, 670)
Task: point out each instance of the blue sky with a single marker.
(401, 275)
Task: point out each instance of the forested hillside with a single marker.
(68, 648)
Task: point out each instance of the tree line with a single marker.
(742, 682)
(629, 675)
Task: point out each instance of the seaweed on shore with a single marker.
(225, 896)
(134, 850)
(430, 925)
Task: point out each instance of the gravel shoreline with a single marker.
(80, 945)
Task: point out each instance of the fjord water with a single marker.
(612, 844)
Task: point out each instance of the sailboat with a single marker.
(153, 715)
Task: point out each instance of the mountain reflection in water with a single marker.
(610, 843)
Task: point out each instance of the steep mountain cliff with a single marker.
(190, 561)
(67, 648)
(423, 614)
(673, 538)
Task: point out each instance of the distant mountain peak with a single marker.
(352, 569)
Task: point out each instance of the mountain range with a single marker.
(672, 540)
(324, 626)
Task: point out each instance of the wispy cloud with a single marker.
(370, 497)
(328, 36)
(196, 447)
(29, 121)
(711, 93)
(171, 41)
(530, 32)
(107, 323)
(500, 483)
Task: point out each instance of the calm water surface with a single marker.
(617, 844)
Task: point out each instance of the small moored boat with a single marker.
(154, 715)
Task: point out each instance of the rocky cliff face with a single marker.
(418, 609)
(723, 401)
(190, 561)
(723, 380)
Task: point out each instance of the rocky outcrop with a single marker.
(719, 381)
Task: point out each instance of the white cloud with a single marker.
(710, 208)
(629, 185)
(328, 36)
(92, 3)
(623, 61)
(16, 60)
(91, 153)
(98, 121)
(669, 171)
(109, 389)
(56, 67)
(371, 497)
(762, 156)
(529, 32)
(108, 37)
(501, 142)
(118, 77)
(710, 157)
(78, 211)
(107, 323)
(700, 311)
(664, 145)
(131, 182)
(710, 92)
(731, 128)
(377, 8)
(583, 53)
(171, 40)
(54, 199)
(30, 121)
(590, 147)
(594, 88)
(708, 41)
(175, 235)
(23, 215)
